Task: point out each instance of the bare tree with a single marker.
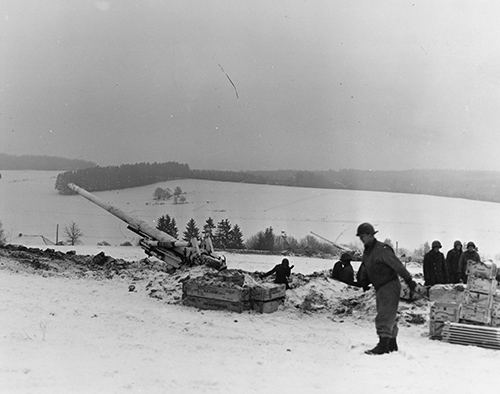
(73, 233)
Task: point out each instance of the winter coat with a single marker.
(380, 266)
(452, 259)
(434, 268)
(282, 273)
(462, 262)
(344, 273)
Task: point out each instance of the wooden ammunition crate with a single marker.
(232, 276)
(482, 300)
(212, 291)
(442, 312)
(267, 292)
(210, 303)
(447, 293)
(475, 314)
(495, 308)
(481, 285)
(481, 270)
(267, 306)
(435, 329)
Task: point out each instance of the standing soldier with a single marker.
(469, 254)
(452, 259)
(381, 267)
(434, 265)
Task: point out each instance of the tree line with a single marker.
(225, 236)
(121, 177)
(41, 162)
(474, 185)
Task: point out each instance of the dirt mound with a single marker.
(314, 293)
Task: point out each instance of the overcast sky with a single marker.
(321, 84)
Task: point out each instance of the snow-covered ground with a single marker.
(79, 333)
(69, 335)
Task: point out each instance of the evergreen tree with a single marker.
(263, 240)
(163, 223)
(268, 239)
(172, 229)
(209, 227)
(236, 238)
(221, 238)
(192, 231)
(167, 224)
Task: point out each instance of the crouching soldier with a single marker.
(342, 270)
(381, 268)
(282, 273)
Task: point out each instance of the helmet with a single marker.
(365, 228)
(345, 257)
(457, 243)
(436, 244)
(470, 243)
(284, 261)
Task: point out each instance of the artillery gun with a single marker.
(159, 244)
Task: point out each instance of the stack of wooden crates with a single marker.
(228, 290)
(478, 304)
(445, 310)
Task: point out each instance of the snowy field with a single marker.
(82, 335)
(30, 205)
(67, 335)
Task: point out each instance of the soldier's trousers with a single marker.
(387, 298)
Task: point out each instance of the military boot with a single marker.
(382, 347)
(393, 345)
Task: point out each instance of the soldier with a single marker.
(452, 259)
(434, 265)
(342, 270)
(469, 254)
(282, 273)
(381, 267)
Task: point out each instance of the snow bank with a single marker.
(80, 330)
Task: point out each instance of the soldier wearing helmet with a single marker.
(381, 268)
(435, 266)
(342, 270)
(469, 254)
(282, 273)
(452, 259)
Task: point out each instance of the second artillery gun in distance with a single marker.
(159, 244)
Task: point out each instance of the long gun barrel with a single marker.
(158, 243)
(342, 248)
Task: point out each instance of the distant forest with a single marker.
(473, 185)
(121, 177)
(46, 163)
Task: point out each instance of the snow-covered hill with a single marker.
(30, 205)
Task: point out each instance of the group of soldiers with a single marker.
(381, 269)
(437, 269)
(440, 270)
